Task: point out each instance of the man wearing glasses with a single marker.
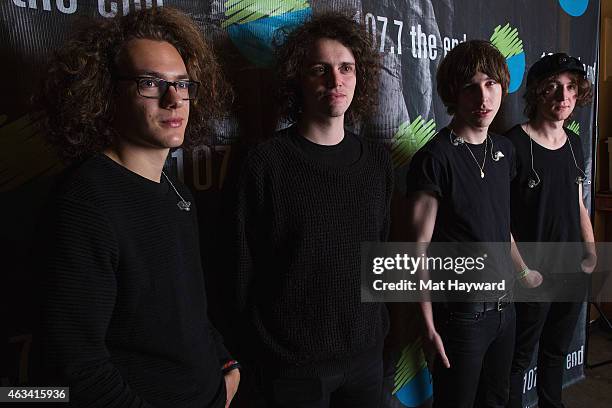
(124, 317)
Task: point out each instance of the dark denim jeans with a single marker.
(479, 347)
(553, 325)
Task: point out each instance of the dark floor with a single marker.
(596, 390)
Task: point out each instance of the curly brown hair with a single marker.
(78, 90)
(536, 92)
(463, 62)
(292, 49)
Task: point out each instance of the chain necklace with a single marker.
(484, 160)
(182, 204)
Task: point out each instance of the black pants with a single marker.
(360, 386)
(479, 348)
(553, 325)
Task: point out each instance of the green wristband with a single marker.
(522, 274)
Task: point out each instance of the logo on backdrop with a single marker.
(574, 127)
(412, 380)
(507, 41)
(409, 138)
(251, 25)
(574, 8)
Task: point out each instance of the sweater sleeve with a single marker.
(249, 204)
(389, 184)
(80, 255)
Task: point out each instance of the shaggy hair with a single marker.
(79, 88)
(536, 92)
(292, 54)
(462, 63)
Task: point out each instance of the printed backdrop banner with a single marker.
(412, 37)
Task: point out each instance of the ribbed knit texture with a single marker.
(124, 317)
(300, 226)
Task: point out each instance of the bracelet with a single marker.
(229, 366)
(522, 274)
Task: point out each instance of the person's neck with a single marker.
(471, 134)
(145, 161)
(549, 132)
(326, 131)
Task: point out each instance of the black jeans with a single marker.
(553, 325)
(479, 348)
(359, 386)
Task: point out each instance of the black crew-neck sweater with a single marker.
(300, 224)
(124, 316)
(343, 154)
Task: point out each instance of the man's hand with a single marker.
(433, 347)
(589, 262)
(533, 279)
(232, 378)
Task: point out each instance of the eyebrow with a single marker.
(160, 75)
(327, 63)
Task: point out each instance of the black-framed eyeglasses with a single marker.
(156, 88)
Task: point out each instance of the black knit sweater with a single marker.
(124, 317)
(300, 226)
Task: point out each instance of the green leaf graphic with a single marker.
(245, 11)
(410, 137)
(574, 127)
(507, 41)
(411, 361)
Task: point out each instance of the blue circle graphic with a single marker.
(516, 66)
(417, 391)
(574, 8)
(254, 39)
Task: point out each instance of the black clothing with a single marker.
(549, 212)
(124, 316)
(471, 209)
(360, 385)
(301, 223)
(344, 154)
(552, 324)
(479, 348)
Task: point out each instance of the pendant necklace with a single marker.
(182, 204)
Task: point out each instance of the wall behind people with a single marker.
(412, 37)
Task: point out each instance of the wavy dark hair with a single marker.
(462, 63)
(536, 92)
(292, 49)
(78, 90)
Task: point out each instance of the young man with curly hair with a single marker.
(547, 206)
(308, 198)
(125, 317)
(459, 192)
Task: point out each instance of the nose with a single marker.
(171, 99)
(482, 93)
(334, 79)
(563, 93)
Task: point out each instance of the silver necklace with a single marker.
(484, 160)
(182, 204)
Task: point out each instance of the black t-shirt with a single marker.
(471, 208)
(343, 154)
(548, 212)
